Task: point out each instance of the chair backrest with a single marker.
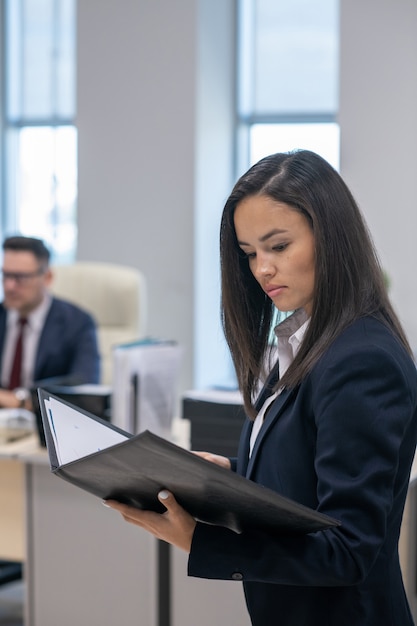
(116, 297)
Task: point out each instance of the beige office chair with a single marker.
(116, 297)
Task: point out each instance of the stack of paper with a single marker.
(145, 375)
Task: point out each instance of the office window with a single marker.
(287, 78)
(286, 98)
(39, 142)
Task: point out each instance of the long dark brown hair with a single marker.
(349, 282)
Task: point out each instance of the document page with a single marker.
(76, 435)
(145, 386)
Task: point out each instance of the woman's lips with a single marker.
(274, 290)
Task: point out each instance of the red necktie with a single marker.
(17, 360)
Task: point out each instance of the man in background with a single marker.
(41, 336)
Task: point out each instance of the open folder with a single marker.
(112, 464)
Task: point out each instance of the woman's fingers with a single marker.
(223, 461)
(175, 525)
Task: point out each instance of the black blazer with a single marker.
(67, 345)
(343, 443)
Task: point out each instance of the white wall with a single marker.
(136, 122)
(150, 123)
(378, 118)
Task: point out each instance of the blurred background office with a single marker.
(125, 124)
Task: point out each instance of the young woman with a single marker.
(334, 426)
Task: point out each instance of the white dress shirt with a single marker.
(289, 335)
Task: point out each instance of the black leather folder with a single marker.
(136, 469)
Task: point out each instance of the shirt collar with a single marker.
(36, 318)
(293, 327)
(290, 334)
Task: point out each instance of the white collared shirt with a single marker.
(289, 334)
(32, 332)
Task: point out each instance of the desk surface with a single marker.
(16, 449)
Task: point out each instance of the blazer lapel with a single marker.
(272, 416)
(52, 328)
(244, 443)
(243, 451)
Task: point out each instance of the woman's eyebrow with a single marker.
(271, 233)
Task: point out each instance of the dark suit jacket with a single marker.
(67, 345)
(343, 443)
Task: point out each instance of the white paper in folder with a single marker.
(145, 376)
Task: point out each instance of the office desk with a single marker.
(85, 565)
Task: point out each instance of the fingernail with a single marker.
(104, 503)
(163, 495)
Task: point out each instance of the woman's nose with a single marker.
(264, 267)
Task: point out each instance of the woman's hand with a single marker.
(175, 526)
(223, 461)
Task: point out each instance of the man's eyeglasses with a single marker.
(21, 277)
